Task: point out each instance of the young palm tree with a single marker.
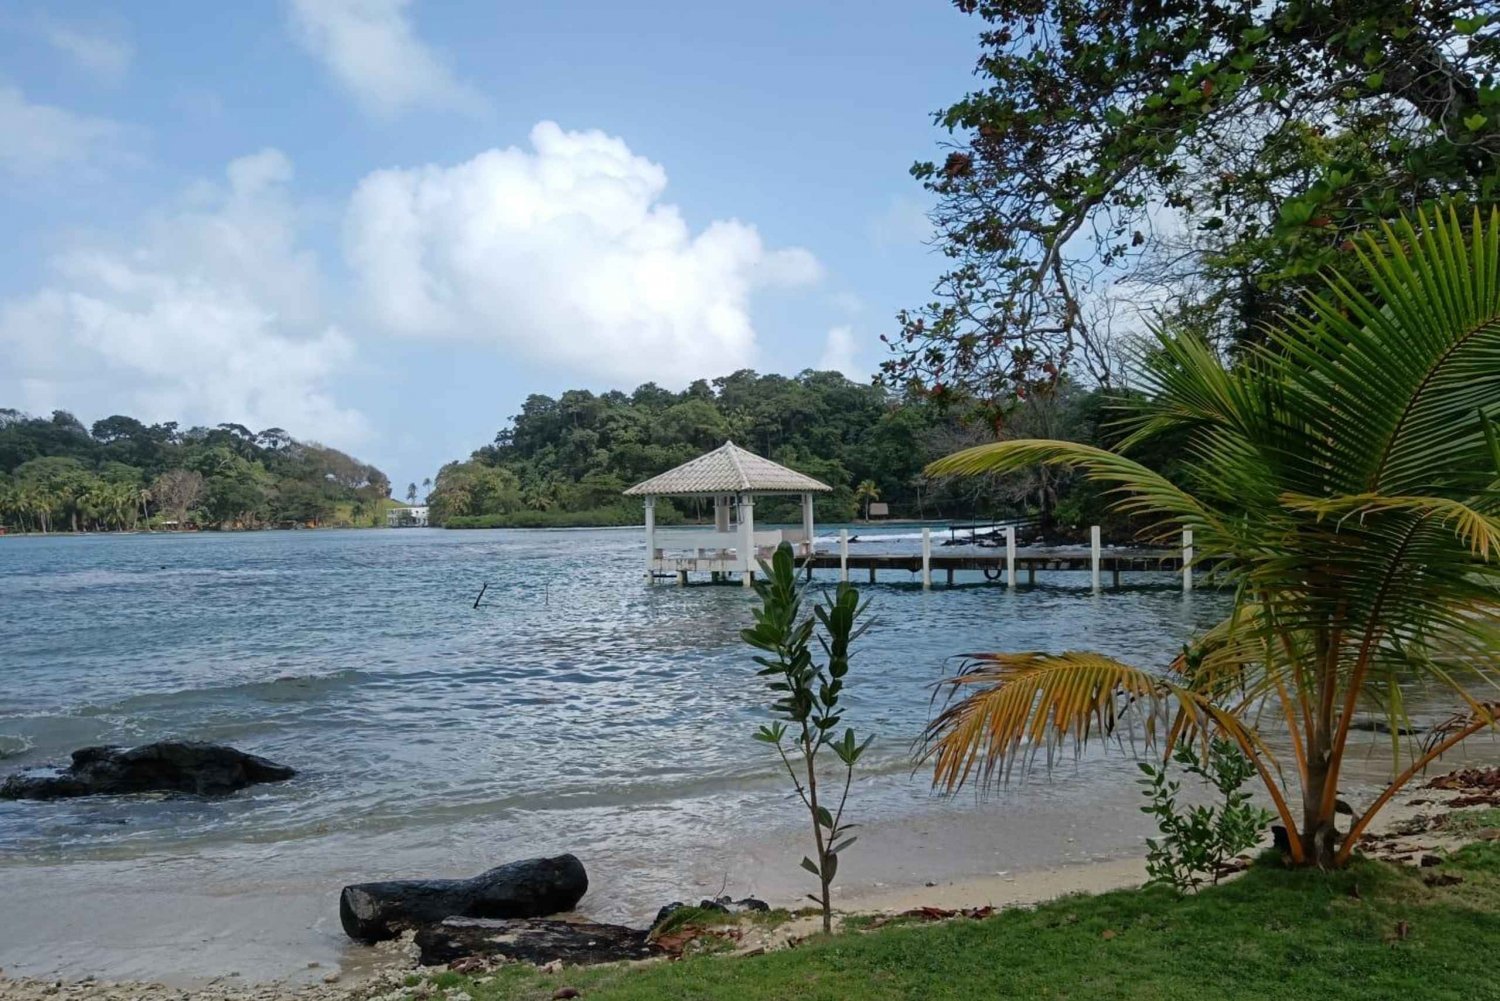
(1346, 480)
(867, 492)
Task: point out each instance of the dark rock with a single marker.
(1428, 861)
(532, 888)
(533, 940)
(721, 905)
(179, 766)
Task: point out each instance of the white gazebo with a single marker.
(733, 477)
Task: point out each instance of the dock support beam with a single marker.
(926, 558)
(1094, 554)
(844, 555)
(1010, 556)
(747, 539)
(650, 540)
(1187, 560)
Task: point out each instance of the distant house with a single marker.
(406, 516)
(879, 509)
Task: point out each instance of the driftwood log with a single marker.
(532, 888)
(535, 940)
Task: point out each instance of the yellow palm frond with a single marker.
(1005, 708)
(1478, 531)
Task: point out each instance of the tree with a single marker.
(177, 491)
(1346, 479)
(866, 493)
(411, 493)
(1221, 151)
(807, 702)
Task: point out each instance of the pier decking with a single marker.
(1112, 562)
(1004, 565)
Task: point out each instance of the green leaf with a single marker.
(810, 866)
(1475, 122)
(825, 818)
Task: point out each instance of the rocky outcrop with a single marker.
(532, 888)
(721, 905)
(534, 940)
(175, 766)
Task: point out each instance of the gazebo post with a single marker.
(650, 539)
(807, 523)
(747, 539)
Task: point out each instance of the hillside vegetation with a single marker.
(57, 475)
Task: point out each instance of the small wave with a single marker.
(283, 688)
(13, 746)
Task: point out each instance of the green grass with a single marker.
(1272, 934)
(1470, 821)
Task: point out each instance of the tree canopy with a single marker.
(1203, 157)
(565, 460)
(55, 473)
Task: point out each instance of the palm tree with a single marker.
(1346, 479)
(866, 492)
(411, 493)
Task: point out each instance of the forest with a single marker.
(121, 474)
(565, 460)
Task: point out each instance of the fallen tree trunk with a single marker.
(532, 941)
(371, 912)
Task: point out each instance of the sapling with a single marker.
(807, 702)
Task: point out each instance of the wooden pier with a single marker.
(1003, 566)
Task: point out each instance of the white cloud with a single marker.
(838, 354)
(38, 138)
(101, 51)
(564, 253)
(211, 314)
(371, 48)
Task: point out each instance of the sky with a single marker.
(382, 224)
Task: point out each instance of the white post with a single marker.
(807, 521)
(926, 558)
(1187, 560)
(650, 540)
(1094, 553)
(747, 539)
(1010, 556)
(721, 513)
(844, 554)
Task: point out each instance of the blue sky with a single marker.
(382, 223)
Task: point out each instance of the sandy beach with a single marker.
(269, 942)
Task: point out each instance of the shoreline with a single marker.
(386, 970)
(316, 963)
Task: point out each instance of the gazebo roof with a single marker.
(728, 469)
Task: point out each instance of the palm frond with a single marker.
(1478, 531)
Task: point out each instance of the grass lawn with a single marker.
(1373, 932)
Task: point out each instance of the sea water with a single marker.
(575, 708)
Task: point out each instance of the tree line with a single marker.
(566, 460)
(122, 474)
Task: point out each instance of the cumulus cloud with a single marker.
(838, 353)
(103, 52)
(211, 315)
(564, 253)
(38, 138)
(373, 51)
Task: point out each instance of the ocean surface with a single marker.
(576, 708)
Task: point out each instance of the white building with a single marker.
(733, 477)
(407, 516)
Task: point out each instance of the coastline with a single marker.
(360, 972)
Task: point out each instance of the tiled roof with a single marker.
(728, 469)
